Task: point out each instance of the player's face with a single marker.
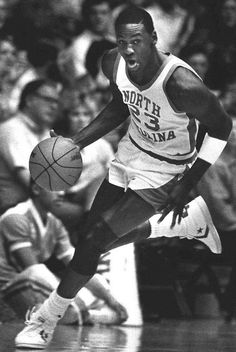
(136, 46)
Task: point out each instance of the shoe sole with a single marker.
(210, 224)
(30, 346)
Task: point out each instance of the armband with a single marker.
(211, 149)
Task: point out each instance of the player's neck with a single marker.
(151, 69)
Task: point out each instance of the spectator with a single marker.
(30, 236)
(67, 21)
(42, 57)
(223, 38)
(96, 15)
(218, 188)
(95, 98)
(228, 99)
(197, 58)
(9, 71)
(174, 24)
(4, 10)
(120, 7)
(20, 134)
(28, 21)
(93, 59)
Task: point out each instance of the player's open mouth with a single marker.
(132, 64)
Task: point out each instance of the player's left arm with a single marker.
(189, 94)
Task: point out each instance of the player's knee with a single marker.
(88, 250)
(101, 235)
(86, 257)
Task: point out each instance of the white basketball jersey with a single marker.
(156, 127)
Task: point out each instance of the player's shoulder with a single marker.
(184, 83)
(183, 78)
(108, 63)
(186, 90)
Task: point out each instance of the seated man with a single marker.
(29, 236)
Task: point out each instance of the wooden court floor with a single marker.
(164, 336)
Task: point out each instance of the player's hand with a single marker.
(54, 134)
(119, 309)
(176, 202)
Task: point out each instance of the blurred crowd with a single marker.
(50, 77)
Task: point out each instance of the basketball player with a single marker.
(156, 164)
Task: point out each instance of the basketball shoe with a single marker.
(37, 334)
(196, 223)
(38, 331)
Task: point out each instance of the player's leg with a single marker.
(140, 233)
(107, 227)
(196, 224)
(106, 224)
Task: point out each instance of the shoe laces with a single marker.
(29, 315)
(30, 320)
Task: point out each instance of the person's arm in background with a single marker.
(100, 288)
(188, 94)
(16, 231)
(15, 151)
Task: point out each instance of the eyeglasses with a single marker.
(46, 98)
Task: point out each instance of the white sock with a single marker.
(54, 307)
(163, 229)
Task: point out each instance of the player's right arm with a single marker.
(111, 116)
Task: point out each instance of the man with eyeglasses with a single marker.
(18, 136)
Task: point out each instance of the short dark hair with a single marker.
(94, 54)
(41, 53)
(31, 88)
(86, 8)
(135, 14)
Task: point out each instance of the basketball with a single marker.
(55, 163)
